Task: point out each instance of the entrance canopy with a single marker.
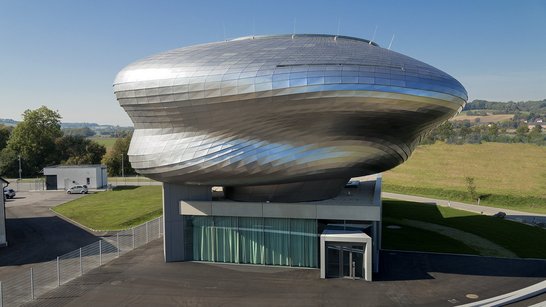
(346, 251)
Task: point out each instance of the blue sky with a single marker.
(65, 54)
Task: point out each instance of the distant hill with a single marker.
(11, 122)
(8, 122)
(536, 107)
(106, 130)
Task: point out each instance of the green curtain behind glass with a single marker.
(277, 241)
(251, 240)
(255, 240)
(203, 240)
(227, 239)
(303, 243)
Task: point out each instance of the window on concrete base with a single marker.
(252, 240)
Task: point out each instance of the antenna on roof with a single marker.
(338, 25)
(373, 37)
(224, 26)
(390, 44)
(253, 26)
(294, 29)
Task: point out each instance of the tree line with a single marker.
(464, 132)
(38, 141)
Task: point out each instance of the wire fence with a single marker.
(46, 276)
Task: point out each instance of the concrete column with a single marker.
(173, 223)
(376, 238)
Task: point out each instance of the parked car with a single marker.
(9, 193)
(77, 189)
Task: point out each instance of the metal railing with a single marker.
(46, 276)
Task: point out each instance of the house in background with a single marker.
(59, 177)
(3, 240)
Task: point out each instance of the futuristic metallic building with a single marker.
(280, 118)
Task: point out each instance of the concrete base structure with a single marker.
(173, 222)
(272, 233)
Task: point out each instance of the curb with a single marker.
(511, 297)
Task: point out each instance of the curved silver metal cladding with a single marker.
(275, 110)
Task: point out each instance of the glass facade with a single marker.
(252, 240)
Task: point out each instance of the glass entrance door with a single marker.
(344, 260)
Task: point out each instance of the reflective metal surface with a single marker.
(276, 111)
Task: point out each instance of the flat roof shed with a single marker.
(59, 177)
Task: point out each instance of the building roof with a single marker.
(77, 166)
(270, 59)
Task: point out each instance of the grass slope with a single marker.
(526, 241)
(506, 175)
(122, 208)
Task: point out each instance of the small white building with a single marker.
(3, 239)
(58, 177)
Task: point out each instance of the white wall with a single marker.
(76, 176)
(3, 241)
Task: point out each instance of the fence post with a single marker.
(100, 252)
(1, 295)
(31, 284)
(159, 223)
(58, 273)
(147, 239)
(117, 239)
(133, 237)
(81, 264)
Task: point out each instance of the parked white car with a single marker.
(9, 193)
(77, 189)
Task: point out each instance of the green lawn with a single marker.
(122, 208)
(526, 241)
(506, 175)
(106, 142)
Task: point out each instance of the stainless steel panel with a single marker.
(275, 112)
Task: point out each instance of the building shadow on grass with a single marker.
(523, 240)
(125, 187)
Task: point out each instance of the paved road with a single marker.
(524, 217)
(142, 278)
(35, 234)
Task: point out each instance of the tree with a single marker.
(33, 139)
(471, 187)
(537, 129)
(445, 131)
(4, 136)
(113, 158)
(493, 130)
(522, 130)
(74, 150)
(9, 164)
(535, 136)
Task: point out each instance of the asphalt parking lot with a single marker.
(35, 234)
(142, 278)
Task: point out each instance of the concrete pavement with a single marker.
(142, 278)
(518, 216)
(35, 234)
